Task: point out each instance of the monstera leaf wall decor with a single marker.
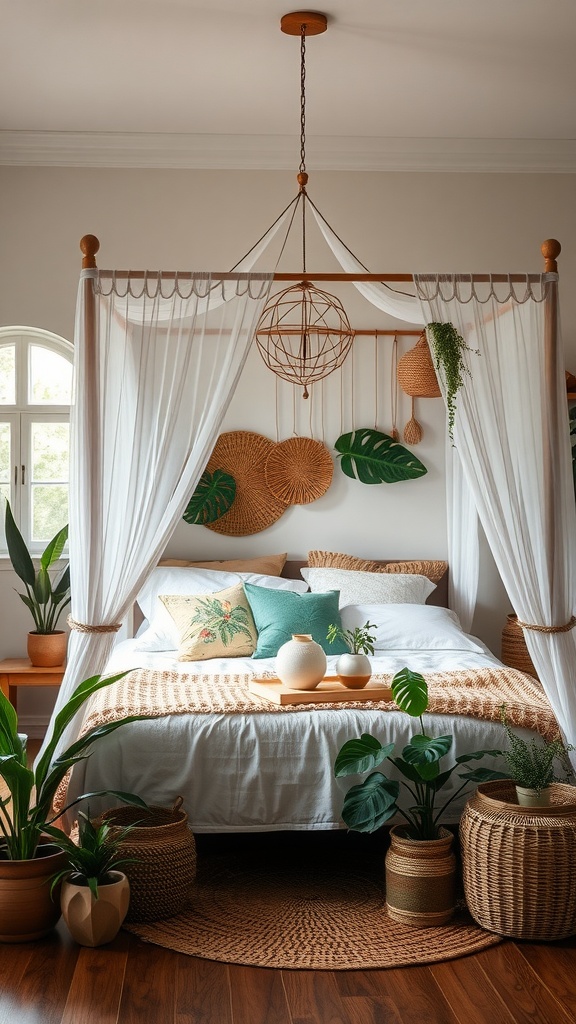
(375, 458)
(213, 497)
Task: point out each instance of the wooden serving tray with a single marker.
(329, 691)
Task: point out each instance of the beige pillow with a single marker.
(266, 565)
(433, 569)
(217, 625)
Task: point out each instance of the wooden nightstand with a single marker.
(15, 672)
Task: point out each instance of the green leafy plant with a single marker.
(373, 802)
(375, 458)
(214, 495)
(97, 853)
(448, 348)
(531, 763)
(26, 813)
(359, 640)
(45, 598)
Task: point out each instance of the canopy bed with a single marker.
(158, 356)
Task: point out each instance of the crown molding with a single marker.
(279, 152)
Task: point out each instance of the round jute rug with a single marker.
(319, 918)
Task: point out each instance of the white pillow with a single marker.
(162, 634)
(411, 627)
(357, 587)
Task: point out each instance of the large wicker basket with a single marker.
(514, 650)
(164, 866)
(518, 863)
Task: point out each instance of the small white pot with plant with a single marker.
(533, 766)
(354, 669)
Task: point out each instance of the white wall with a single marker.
(207, 220)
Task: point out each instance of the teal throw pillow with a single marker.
(280, 613)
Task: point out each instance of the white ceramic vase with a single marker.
(301, 662)
(533, 797)
(353, 670)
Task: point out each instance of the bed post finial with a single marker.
(89, 246)
(550, 250)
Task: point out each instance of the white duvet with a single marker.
(264, 772)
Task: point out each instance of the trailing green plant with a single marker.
(372, 457)
(373, 802)
(448, 347)
(97, 853)
(26, 813)
(359, 640)
(45, 598)
(532, 763)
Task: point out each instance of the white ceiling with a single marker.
(402, 84)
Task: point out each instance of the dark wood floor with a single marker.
(54, 981)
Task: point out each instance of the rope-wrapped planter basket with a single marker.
(164, 866)
(518, 862)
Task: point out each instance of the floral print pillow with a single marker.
(217, 625)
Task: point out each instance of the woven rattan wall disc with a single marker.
(244, 454)
(416, 375)
(299, 470)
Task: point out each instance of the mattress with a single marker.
(240, 772)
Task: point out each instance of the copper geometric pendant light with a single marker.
(303, 333)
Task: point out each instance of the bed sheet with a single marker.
(264, 772)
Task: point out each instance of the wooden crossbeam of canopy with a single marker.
(550, 250)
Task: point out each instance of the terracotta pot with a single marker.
(27, 910)
(95, 922)
(353, 670)
(420, 878)
(47, 650)
(301, 662)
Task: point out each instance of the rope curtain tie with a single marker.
(83, 627)
(549, 629)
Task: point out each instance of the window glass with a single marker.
(50, 377)
(8, 375)
(5, 463)
(49, 510)
(50, 446)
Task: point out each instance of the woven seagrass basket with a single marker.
(518, 862)
(164, 867)
(514, 652)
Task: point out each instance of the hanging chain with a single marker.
(302, 167)
(302, 176)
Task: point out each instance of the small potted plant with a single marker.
(95, 893)
(532, 766)
(420, 866)
(46, 598)
(354, 669)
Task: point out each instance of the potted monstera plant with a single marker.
(46, 596)
(32, 846)
(420, 864)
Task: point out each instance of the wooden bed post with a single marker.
(550, 250)
(89, 246)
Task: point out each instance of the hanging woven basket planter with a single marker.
(416, 374)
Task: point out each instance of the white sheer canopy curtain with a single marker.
(512, 439)
(157, 362)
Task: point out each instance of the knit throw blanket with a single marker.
(478, 693)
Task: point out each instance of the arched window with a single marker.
(35, 394)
